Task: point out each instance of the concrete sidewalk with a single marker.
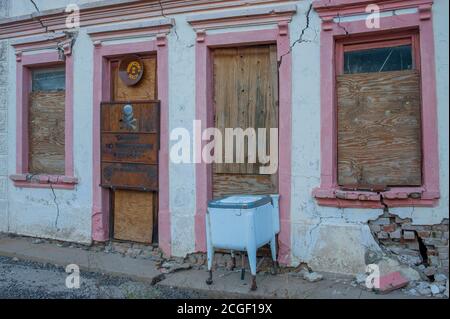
(227, 284)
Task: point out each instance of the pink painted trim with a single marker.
(326, 193)
(327, 8)
(115, 12)
(44, 181)
(204, 113)
(102, 79)
(24, 65)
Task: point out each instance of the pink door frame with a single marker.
(102, 92)
(204, 113)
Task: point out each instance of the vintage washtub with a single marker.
(242, 223)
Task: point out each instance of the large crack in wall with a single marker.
(424, 247)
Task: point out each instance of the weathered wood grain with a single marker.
(245, 96)
(133, 216)
(379, 130)
(145, 113)
(47, 133)
(238, 184)
(145, 90)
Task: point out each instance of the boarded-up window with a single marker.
(379, 116)
(245, 96)
(47, 122)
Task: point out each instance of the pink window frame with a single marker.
(25, 64)
(205, 111)
(329, 193)
(102, 92)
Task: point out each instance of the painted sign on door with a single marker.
(130, 145)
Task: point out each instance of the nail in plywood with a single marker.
(46, 133)
(379, 132)
(133, 216)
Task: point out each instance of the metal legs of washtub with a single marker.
(251, 253)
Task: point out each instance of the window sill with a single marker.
(394, 197)
(44, 181)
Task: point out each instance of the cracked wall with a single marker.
(57, 214)
(333, 239)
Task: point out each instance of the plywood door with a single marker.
(135, 213)
(379, 133)
(245, 96)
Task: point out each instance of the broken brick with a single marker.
(389, 228)
(396, 234)
(409, 235)
(383, 235)
(382, 221)
(392, 282)
(423, 233)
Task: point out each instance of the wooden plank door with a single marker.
(245, 96)
(135, 213)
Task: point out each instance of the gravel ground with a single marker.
(21, 279)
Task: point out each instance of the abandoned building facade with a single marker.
(358, 90)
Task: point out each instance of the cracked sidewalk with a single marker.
(226, 283)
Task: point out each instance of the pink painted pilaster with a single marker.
(285, 147)
(430, 145)
(203, 189)
(100, 200)
(68, 130)
(164, 230)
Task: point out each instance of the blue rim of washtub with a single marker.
(262, 200)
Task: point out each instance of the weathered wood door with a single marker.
(245, 96)
(135, 212)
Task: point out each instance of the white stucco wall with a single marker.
(329, 239)
(4, 12)
(59, 214)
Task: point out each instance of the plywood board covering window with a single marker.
(245, 96)
(379, 119)
(47, 122)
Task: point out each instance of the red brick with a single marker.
(423, 234)
(389, 228)
(391, 282)
(409, 235)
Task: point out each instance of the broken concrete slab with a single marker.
(389, 265)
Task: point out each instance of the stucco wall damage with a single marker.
(327, 239)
